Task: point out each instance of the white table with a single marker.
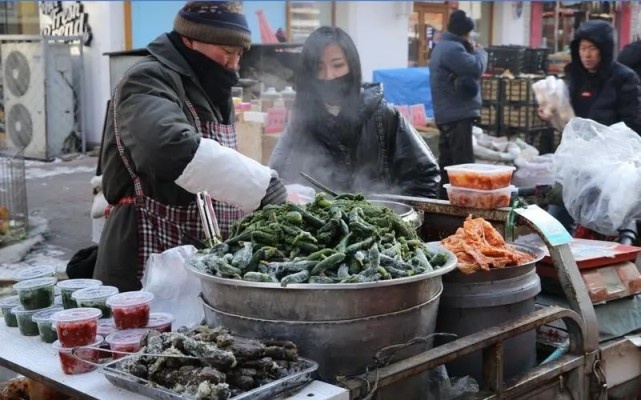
(34, 359)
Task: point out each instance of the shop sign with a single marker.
(67, 20)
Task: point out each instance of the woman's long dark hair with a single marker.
(308, 103)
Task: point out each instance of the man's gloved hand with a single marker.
(276, 192)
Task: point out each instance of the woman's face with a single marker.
(333, 63)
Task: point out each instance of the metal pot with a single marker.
(406, 212)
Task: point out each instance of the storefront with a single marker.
(553, 23)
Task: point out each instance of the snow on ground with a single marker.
(38, 173)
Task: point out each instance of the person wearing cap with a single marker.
(456, 67)
(169, 135)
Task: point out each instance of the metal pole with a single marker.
(81, 102)
(556, 25)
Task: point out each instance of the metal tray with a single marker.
(271, 390)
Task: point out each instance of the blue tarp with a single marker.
(406, 86)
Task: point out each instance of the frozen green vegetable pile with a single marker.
(347, 240)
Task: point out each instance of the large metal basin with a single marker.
(346, 347)
(316, 302)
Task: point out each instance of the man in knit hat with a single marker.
(169, 135)
(456, 67)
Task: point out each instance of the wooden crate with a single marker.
(491, 89)
(522, 117)
(518, 91)
(489, 116)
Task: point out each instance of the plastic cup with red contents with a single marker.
(130, 309)
(71, 285)
(106, 327)
(77, 326)
(127, 341)
(41, 271)
(95, 297)
(83, 359)
(160, 322)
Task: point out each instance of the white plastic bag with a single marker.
(533, 171)
(175, 289)
(300, 194)
(554, 101)
(599, 168)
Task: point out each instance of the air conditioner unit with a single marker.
(38, 97)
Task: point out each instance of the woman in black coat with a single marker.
(344, 133)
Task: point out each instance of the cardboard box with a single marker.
(269, 142)
(249, 139)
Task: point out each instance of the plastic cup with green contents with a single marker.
(6, 304)
(41, 271)
(25, 320)
(71, 285)
(35, 294)
(44, 322)
(95, 297)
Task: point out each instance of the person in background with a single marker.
(456, 67)
(344, 133)
(171, 135)
(600, 89)
(630, 56)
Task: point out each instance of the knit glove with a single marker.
(276, 192)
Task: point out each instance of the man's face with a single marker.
(590, 55)
(227, 56)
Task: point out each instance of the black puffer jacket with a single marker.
(613, 93)
(630, 56)
(387, 155)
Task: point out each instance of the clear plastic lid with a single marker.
(76, 315)
(79, 283)
(94, 293)
(57, 291)
(57, 300)
(36, 272)
(45, 315)
(126, 337)
(508, 189)
(106, 326)
(159, 319)
(35, 283)
(485, 169)
(9, 301)
(19, 310)
(129, 299)
(56, 345)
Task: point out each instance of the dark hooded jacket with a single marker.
(630, 56)
(610, 95)
(385, 155)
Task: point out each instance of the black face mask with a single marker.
(334, 91)
(216, 80)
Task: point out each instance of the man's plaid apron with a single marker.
(159, 226)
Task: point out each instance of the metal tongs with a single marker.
(208, 218)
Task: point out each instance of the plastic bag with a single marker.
(537, 170)
(300, 194)
(175, 289)
(554, 101)
(444, 387)
(599, 168)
